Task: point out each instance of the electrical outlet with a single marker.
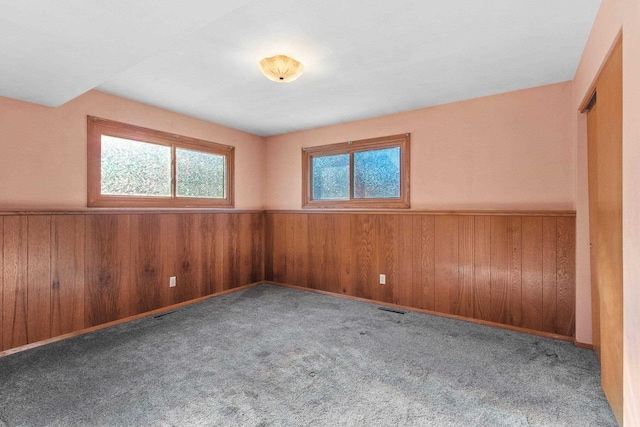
(172, 281)
(383, 279)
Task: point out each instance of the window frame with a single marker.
(402, 141)
(96, 127)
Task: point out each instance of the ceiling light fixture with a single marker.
(281, 68)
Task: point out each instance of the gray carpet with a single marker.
(276, 356)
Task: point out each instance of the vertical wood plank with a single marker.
(344, 254)
(168, 249)
(107, 268)
(446, 261)
(424, 261)
(209, 250)
(189, 269)
(482, 267)
(499, 269)
(363, 227)
(67, 273)
(147, 280)
(301, 244)
(514, 316)
(317, 242)
(464, 299)
(269, 246)
(403, 289)
(14, 311)
(279, 247)
(39, 278)
(532, 273)
(566, 276)
(387, 263)
(257, 247)
(549, 274)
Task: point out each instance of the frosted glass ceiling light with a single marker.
(281, 68)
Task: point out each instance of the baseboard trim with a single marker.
(582, 345)
(435, 313)
(124, 320)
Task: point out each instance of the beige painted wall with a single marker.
(615, 16)
(508, 151)
(43, 160)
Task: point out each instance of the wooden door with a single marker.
(605, 192)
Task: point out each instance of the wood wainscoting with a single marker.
(511, 268)
(65, 272)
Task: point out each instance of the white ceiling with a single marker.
(362, 58)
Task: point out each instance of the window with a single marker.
(372, 173)
(130, 166)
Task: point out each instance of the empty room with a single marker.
(322, 213)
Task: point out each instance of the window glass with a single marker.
(199, 174)
(376, 173)
(134, 168)
(331, 177)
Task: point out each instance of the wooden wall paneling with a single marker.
(446, 262)
(250, 239)
(269, 228)
(212, 231)
(147, 278)
(500, 256)
(189, 257)
(403, 287)
(388, 237)
(482, 267)
(345, 255)
(257, 248)
(67, 273)
(464, 299)
(549, 274)
(332, 255)
(317, 234)
(514, 316)
(424, 261)
(279, 243)
(39, 278)
(168, 249)
(15, 254)
(364, 246)
(301, 264)
(107, 268)
(566, 268)
(532, 273)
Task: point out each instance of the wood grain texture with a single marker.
(147, 279)
(605, 179)
(14, 309)
(423, 262)
(446, 259)
(532, 273)
(67, 273)
(107, 269)
(464, 299)
(565, 280)
(39, 279)
(549, 274)
(482, 267)
(486, 267)
(60, 274)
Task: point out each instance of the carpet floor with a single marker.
(273, 356)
